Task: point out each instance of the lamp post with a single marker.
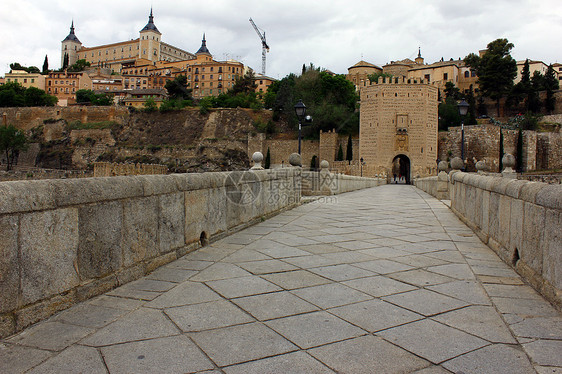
(362, 163)
(463, 109)
(300, 110)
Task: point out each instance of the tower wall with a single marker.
(398, 118)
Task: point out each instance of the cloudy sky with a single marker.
(333, 34)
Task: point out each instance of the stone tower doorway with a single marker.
(401, 170)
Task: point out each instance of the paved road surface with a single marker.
(384, 280)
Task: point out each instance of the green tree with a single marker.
(451, 91)
(340, 154)
(12, 141)
(519, 159)
(64, 61)
(313, 162)
(267, 163)
(496, 70)
(533, 98)
(17, 66)
(84, 96)
(349, 150)
(471, 120)
(374, 78)
(13, 94)
(244, 84)
(45, 66)
(501, 150)
(550, 84)
(79, 65)
(177, 88)
(150, 105)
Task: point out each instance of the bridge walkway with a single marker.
(384, 280)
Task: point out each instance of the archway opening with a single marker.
(401, 170)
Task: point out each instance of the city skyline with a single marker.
(333, 36)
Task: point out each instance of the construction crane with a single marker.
(265, 47)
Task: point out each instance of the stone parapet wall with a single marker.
(111, 169)
(64, 241)
(317, 183)
(435, 186)
(520, 220)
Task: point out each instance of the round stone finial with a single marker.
(257, 157)
(457, 163)
(324, 164)
(443, 165)
(481, 166)
(295, 159)
(508, 160)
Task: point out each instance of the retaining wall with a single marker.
(520, 220)
(326, 183)
(64, 241)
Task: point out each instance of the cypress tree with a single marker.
(349, 151)
(267, 162)
(550, 84)
(65, 61)
(501, 150)
(519, 162)
(45, 66)
(340, 154)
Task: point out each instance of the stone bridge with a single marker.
(387, 279)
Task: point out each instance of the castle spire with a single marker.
(419, 52)
(203, 48)
(150, 26)
(71, 36)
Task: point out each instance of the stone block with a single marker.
(26, 196)
(171, 226)
(9, 263)
(552, 248)
(494, 215)
(499, 185)
(215, 212)
(530, 190)
(71, 191)
(196, 202)
(160, 261)
(531, 251)
(96, 287)
(49, 253)
(485, 222)
(158, 184)
(99, 244)
(504, 220)
(7, 325)
(39, 311)
(140, 227)
(516, 224)
(130, 274)
(514, 188)
(550, 196)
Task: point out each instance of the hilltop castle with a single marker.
(148, 46)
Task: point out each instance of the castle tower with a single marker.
(70, 45)
(398, 127)
(203, 53)
(150, 39)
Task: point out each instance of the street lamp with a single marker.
(300, 110)
(463, 109)
(362, 163)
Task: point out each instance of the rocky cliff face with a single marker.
(183, 140)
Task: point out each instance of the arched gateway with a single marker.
(401, 169)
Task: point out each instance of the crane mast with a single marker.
(265, 47)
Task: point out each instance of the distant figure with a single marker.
(395, 181)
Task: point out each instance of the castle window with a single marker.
(427, 77)
(472, 73)
(445, 76)
(466, 74)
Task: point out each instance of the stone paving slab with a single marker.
(384, 280)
